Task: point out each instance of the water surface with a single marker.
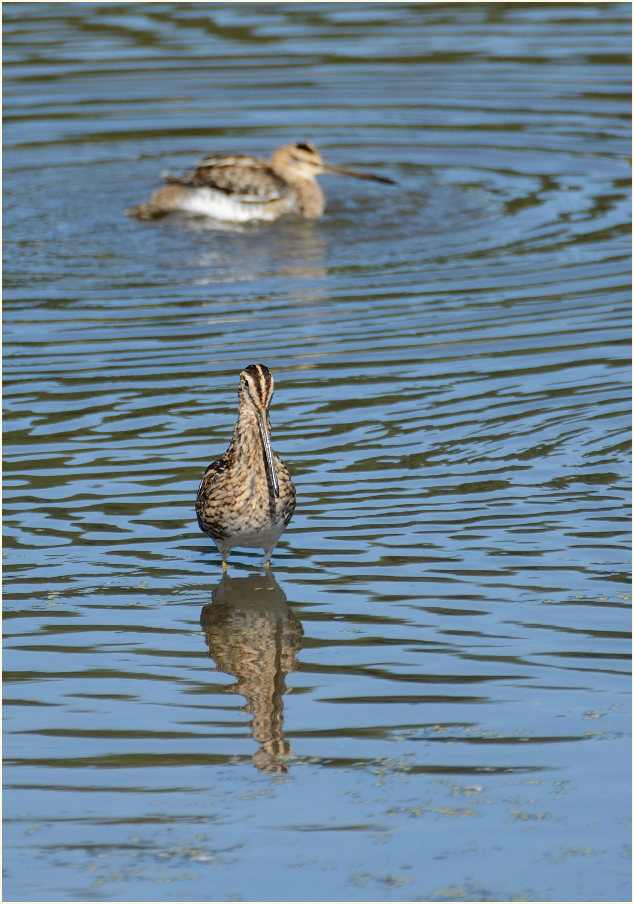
(428, 698)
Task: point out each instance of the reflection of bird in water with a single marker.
(252, 633)
(247, 497)
(240, 188)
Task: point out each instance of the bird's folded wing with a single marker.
(244, 178)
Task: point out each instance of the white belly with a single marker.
(216, 204)
(264, 539)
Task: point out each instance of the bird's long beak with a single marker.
(269, 461)
(346, 171)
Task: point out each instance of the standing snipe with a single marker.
(247, 497)
(239, 188)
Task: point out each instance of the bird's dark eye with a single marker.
(246, 384)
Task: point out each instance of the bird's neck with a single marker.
(311, 197)
(246, 440)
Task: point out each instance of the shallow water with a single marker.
(428, 698)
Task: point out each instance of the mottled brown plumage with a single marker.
(247, 497)
(240, 188)
(236, 174)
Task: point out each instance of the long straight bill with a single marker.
(346, 171)
(268, 451)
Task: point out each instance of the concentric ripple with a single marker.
(450, 605)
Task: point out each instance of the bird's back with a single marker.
(242, 176)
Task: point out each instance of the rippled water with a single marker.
(428, 698)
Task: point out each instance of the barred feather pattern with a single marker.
(236, 503)
(239, 188)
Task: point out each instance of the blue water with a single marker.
(429, 699)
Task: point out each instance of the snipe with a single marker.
(247, 497)
(239, 188)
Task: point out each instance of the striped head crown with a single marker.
(256, 385)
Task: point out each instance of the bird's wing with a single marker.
(244, 178)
